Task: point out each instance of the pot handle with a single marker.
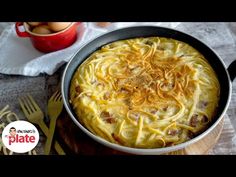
(232, 70)
(20, 33)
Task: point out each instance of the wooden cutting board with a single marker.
(74, 141)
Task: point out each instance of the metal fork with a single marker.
(35, 115)
(55, 106)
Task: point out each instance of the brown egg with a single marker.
(42, 29)
(34, 23)
(103, 24)
(58, 26)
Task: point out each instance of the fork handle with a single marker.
(48, 143)
(45, 130)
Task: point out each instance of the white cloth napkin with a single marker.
(18, 56)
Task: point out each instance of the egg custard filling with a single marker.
(145, 92)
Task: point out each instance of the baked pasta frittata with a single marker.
(145, 92)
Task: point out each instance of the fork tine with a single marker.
(31, 106)
(53, 96)
(58, 96)
(23, 107)
(33, 102)
(26, 104)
